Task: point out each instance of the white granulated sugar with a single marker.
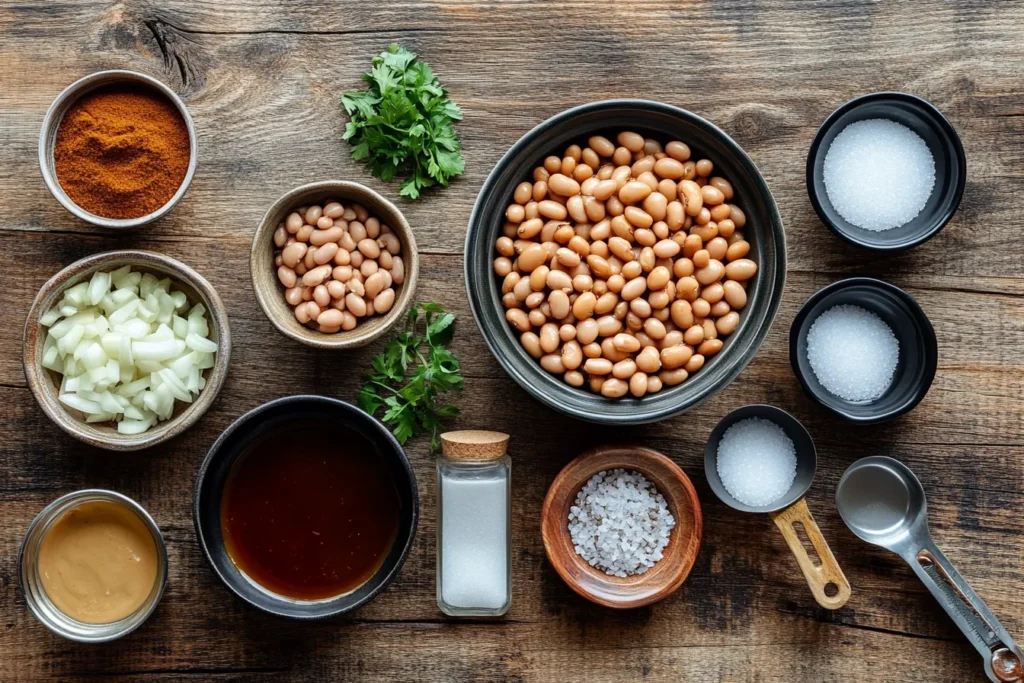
(620, 523)
(852, 352)
(474, 540)
(756, 461)
(878, 174)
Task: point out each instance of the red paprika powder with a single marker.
(122, 152)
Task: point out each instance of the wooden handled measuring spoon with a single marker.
(826, 580)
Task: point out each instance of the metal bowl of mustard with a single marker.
(132, 588)
(72, 95)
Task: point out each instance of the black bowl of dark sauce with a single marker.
(306, 507)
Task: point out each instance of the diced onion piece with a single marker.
(197, 343)
(125, 312)
(133, 413)
(136, 329)
(100, 417)
(69, 341)
(78, 403)
(111, 343)
(99, 285)
(51, 359)
(180, 326)
(123, 296)
(146, 285)
(158, 350)
(130, 427)
(77, 295)
(50, 317)
(110, 403)
(180, 300)
(146, 312)
(94, 357)
(162, 333)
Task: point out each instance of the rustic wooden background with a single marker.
(261, 79)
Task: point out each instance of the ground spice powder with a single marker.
(122, 152)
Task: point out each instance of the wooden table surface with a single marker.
(261, 78)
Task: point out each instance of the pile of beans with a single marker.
(338, 264)
(624, 265)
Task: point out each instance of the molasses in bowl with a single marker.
(306, 507)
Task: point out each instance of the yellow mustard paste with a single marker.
(98, 562)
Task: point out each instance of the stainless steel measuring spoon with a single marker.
(883, 503)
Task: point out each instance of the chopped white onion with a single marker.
(128, 348)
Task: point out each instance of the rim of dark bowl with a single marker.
(720, 370)
(339, 605)
(928, 347)
(949, 199)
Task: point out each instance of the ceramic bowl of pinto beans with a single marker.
(334, 264)
(625, 260)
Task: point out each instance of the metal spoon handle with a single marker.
(1001, 654)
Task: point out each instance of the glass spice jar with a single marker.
(474, 531)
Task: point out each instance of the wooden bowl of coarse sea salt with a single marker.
(622, 526)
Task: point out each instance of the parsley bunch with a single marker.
(410, 401)
(404, 123)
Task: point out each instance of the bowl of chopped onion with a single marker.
(126, 349)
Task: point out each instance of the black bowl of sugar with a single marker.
(864, 349)
(886, 171)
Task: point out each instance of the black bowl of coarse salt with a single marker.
(864, 349)
(886, 171)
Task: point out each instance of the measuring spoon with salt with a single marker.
(884, 504)
(826, 580)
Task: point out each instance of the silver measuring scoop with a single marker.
(883, 503)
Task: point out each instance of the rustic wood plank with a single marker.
(261, 79)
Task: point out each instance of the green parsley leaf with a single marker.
(406, 378)
(403, 123)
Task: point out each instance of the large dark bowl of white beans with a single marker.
(625, 260)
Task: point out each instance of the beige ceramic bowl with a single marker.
(55, 116)
(45, 383)
(270, 292)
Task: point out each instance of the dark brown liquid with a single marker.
(310, 512)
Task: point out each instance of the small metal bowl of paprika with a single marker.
(48, 141)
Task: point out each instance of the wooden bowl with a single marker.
(666, 575)
(270, 292)
(45, 383)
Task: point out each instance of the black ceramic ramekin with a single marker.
(923, 118)
(253, 426)
(919, 353)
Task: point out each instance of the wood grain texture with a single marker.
(820, 569)
(261, 77)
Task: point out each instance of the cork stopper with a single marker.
(474, 444)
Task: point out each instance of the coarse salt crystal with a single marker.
(619, 523)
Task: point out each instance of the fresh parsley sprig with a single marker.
(408, 376)
(403, 123)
